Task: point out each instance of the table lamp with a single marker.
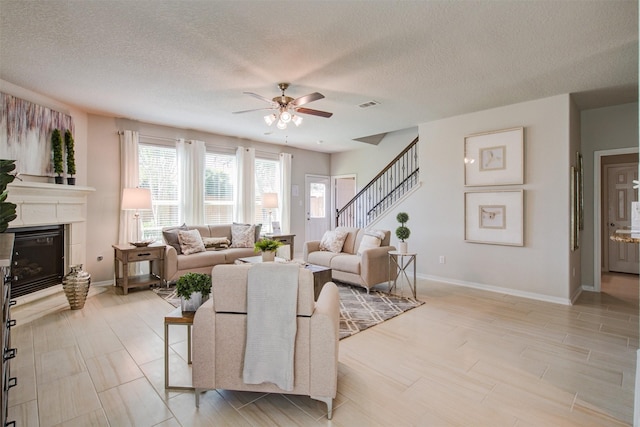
(136, 199)
(270, 201)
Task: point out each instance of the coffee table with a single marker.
(321, 274)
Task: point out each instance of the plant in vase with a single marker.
(402, 232)
(193, 290)
(56, 146)
(71, 157)
(7, 209)
(268, 247)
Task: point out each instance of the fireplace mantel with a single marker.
(42, 203)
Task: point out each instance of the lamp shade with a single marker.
(136, 198)
(269, 200)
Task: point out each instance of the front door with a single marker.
(317, 206)
(623, 257)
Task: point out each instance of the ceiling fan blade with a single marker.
(255, 95)
(307, 99)
(254, 109)
(314, 112)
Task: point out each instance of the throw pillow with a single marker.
(258, 228)
(170, 236)
(190, 241)
(333, 241)
(243, 235)
(370, 240)
(215, 242)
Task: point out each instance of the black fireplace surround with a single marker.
(38, 258)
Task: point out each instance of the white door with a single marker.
(317, 206)
(623, 257)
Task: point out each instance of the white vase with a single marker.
(268, 256)
(403, 247)
(192, 303)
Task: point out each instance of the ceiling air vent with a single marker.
(368, 104)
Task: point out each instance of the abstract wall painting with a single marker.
(25, 134)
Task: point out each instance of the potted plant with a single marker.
(7, 209)
(193, 290)
(71, 157)
(268, 247)
(56, 146)
(402, 232)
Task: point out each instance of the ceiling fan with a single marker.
(286, 108)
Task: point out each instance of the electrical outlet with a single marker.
(443, 260)
(100, 258)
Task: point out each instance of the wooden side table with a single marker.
(287, 239)
(125, 254)
(398, 270)
(176, 317)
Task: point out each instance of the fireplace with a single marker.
(38, 258)
(41, 204)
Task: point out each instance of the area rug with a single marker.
(358, 310)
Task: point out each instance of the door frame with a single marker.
(328, 202)
(334, 208)
(597, 210)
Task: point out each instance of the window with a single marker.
(158, 172)
(219, 178)
(267, 181)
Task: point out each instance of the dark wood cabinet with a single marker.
(8, 352)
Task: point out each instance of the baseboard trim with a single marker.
(497, 289)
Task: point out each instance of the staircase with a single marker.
(393, 182)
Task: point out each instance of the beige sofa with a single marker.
(366, 270)
(219, 338)
(177, 264)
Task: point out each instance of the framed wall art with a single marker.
(494, 217)
(494, 158)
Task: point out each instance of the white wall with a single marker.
(104, 175)
(540, 269)
(602, 129)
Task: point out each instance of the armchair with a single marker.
(219, 338)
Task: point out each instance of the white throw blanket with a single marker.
(272, 298)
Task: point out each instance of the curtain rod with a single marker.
(162, 138)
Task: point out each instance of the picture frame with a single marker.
(574, 225)
(580, 189)
(275, 226)
(494, 217)
(494, 158)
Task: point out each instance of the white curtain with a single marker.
(244, 210)
(191, 165)
(128, 179)
(285, 192)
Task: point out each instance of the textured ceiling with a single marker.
(186, 63)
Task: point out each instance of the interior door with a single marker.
(623, 257)
(317, 205)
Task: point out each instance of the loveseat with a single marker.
(361, 259)
(177, 263)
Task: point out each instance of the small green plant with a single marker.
(71, 156)
(193, 282)
(267, 245)
(56, 146)
(402, 232)
(7, 209)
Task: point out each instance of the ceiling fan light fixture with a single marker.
(269, 119)
(297, 120)
(285, 116)
(281, 125)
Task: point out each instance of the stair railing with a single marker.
(394, 181)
